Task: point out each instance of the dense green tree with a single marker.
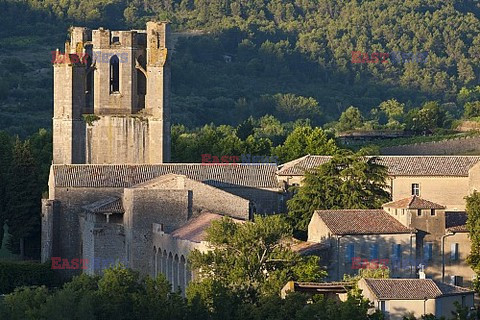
(305, 140)
(430, 117)
(473, 226)
(350, 119)
(23, 200)
(5, 163)
(347, 181)
(472, 109)
(252, 259)
(395, 112)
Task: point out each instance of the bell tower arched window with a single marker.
(114, 74)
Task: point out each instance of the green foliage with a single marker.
(350, 119)
(23, 195)
(119, 294)
(6, 147)
(305, 140)
(24, 170)
(395, 113)
(252, 259)
(190, 145)
(473, 226)
(472, 109)
(90, 118)
(17, 274)
(347, 181)
(430, 117)
(287, 58)
(123, 294)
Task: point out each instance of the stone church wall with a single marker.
(267, 201)
(121, 139)
(70, 203)
(143, 207)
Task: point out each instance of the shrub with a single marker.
(16, 274)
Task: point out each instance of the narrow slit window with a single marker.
(114, 74)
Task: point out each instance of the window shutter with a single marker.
(454, 251)
(374, 251)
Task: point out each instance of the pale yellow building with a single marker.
(441, 179)
(396, 298)
(353, 236)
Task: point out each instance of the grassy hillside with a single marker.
(289, 58)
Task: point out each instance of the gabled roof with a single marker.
(106, 205)
(195, 229)
(361, 221)
(456, 221)
(397, 165)
(412, 289)
(126, 175)
(413, 202)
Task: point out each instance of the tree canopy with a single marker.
(348, 181)
(252, 259)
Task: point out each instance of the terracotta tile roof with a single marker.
(195, 229)
(361, 221)
(413, 202)
(397, 165)
(127, 175)
(107, 205)
(411, 289)
(456, 221)
(306, 247)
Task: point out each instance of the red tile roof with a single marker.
(397, 165)
(361, 221)
(195, 229)
(411, 289)
(413, 202)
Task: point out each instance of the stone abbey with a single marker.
(109, 108)
(113, 195)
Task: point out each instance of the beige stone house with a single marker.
(441, 179)
(408, 235)
(352, 236)
(399, 297)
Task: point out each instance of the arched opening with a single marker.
(155, 261)
(114, 74)
(175, 274)
(89, 84)
(141, 79)
(164, 264)
(188, 273)
(170, 268)
(182, 275)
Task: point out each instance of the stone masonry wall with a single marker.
(143, 208)
(70, 203)
(265, 200)
(120, 139)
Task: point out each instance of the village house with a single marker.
(441, 179)
(408, 235)
(397, 298)
(355, 235)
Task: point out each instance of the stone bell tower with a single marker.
(112, 97)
